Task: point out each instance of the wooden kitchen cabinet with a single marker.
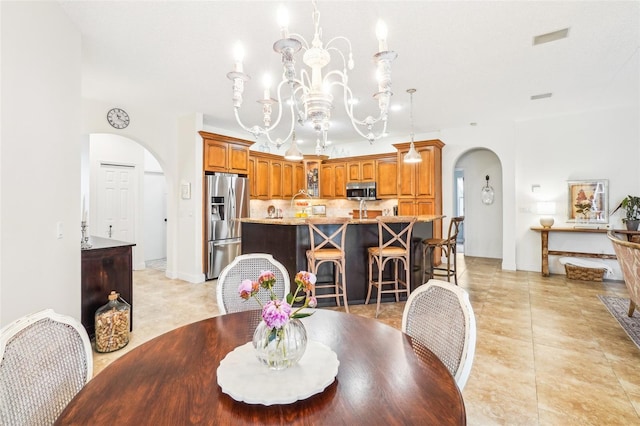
(262, 178)
(299, 177)
(333, 179)
(275, 179)
(287, 179)
(313, 182)
(361, 171)
(422, 179)
(225, 154)
(387, 177)
(416, 207)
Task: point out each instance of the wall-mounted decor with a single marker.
(588, 201)
(487, 193)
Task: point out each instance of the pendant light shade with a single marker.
(412, 156)
(293, 153)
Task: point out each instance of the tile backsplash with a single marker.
(334, 208)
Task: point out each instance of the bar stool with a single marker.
(392, 246)
(329, 249)
(448, 247)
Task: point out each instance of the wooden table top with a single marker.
(383, 378)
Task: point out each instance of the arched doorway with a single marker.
(483, 222)
(138, 196)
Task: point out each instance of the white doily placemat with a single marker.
(244, 378)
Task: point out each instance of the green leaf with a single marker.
(289, 298)
(302, 315)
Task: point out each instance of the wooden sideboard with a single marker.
(544, 246)
(106, 266)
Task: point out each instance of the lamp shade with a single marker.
(546, 210)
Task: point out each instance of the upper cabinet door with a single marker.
(215, 156)
(225, 154)
(387, 173)
(238, 158)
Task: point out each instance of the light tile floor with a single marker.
(548, 351)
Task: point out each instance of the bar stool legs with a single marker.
(328, 247)
(448, 246)
(394, 243)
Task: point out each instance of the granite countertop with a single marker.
(98, 243)
(301, 220)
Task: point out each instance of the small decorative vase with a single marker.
(282, 347)
(632, 225)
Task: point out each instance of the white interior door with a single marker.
(116, 208)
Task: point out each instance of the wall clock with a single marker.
(118, 118)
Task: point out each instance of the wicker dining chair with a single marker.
(438, 315)
(249, 267)
(45, 359)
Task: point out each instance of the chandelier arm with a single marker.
(255, 130)
(348, 94)
(301, 39)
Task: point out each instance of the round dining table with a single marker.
(383, 378)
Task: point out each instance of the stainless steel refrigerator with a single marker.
(227, 201)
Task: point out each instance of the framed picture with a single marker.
(588, 201)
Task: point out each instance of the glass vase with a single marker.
(280, 348)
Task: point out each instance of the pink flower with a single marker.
(305, 280)
(267, 279)
(275, 313)
(312, 302)
(247, 289)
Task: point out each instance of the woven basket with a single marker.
(585, 274)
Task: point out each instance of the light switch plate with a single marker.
(185, 191)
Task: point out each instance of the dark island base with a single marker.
(288, 244)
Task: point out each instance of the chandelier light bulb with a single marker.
(381, 35)
(266, 82)
(283, 21)
(238, 56)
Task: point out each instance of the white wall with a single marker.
(483, 222)
(602, 144)
(40, 161)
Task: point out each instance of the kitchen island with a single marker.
(287, 240)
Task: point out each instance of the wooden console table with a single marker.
(544, 238)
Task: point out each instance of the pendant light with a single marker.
(412, 156)
(293, 153)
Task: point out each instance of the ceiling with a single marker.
(471, 62)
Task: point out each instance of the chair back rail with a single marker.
(439, 316)
(249, 267)
(45, 359)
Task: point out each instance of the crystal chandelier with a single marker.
(306, 93)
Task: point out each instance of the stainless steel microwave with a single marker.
(361, 191)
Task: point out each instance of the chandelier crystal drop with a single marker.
(305, 94)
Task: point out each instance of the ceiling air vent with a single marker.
(541, 96)
(553, 36)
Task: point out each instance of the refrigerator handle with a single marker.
(233, 201)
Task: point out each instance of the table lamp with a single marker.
(546, 210)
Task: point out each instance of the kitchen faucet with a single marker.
(363, 208)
